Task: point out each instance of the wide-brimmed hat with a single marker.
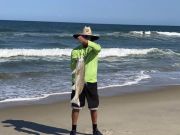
(87, 32)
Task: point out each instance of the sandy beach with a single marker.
(145, 113)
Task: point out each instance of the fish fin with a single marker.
(75, 101)
(73, 87)
(74, 71)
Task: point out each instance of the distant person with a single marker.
(89, 50)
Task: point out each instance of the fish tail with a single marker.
(75, 101)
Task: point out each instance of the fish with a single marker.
(79, 82)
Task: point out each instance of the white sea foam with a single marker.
(147, 32)
(122, 52)
(137, 32)
(169, 33)
(116, 34)
(106, 52)
(140, 77)
(36, 34)
(156, 32)
(141, 32)
(33, 98)
(34, 52)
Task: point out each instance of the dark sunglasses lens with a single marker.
(84, 36)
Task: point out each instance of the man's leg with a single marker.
(93, 103)
(94, 119)
(74, 116)
(76, 110)
(94, 114)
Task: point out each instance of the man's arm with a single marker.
(73, 59)
(96, 47)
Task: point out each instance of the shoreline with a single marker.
(65, 96)
(152, 112)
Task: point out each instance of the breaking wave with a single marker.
(169, 33)
(142, 33)
(138, 78)
(108, 34)
(106, 52)
(156, 32)
(35, 34)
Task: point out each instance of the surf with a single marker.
(106, 52)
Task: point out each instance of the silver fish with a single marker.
(79, 80)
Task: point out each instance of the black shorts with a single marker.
(91, 94)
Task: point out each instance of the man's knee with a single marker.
(75, 110)
(93, 111)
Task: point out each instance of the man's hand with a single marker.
(83, 41)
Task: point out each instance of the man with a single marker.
(89, 50)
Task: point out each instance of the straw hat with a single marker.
(87, 32)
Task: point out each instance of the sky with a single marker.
(144, 12)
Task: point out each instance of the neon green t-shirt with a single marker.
(90, 55)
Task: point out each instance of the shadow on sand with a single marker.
(35, 128)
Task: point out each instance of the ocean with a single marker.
(35, 57)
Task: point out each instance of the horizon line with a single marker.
(89, 23)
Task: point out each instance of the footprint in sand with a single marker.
(87, 131)
(104, 132)
(125, 132)
(107, 132)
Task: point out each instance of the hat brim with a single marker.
(93, 37)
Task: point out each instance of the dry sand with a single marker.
(146, 113)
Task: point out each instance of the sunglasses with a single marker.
(86, 37)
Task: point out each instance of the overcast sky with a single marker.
(155, 12)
